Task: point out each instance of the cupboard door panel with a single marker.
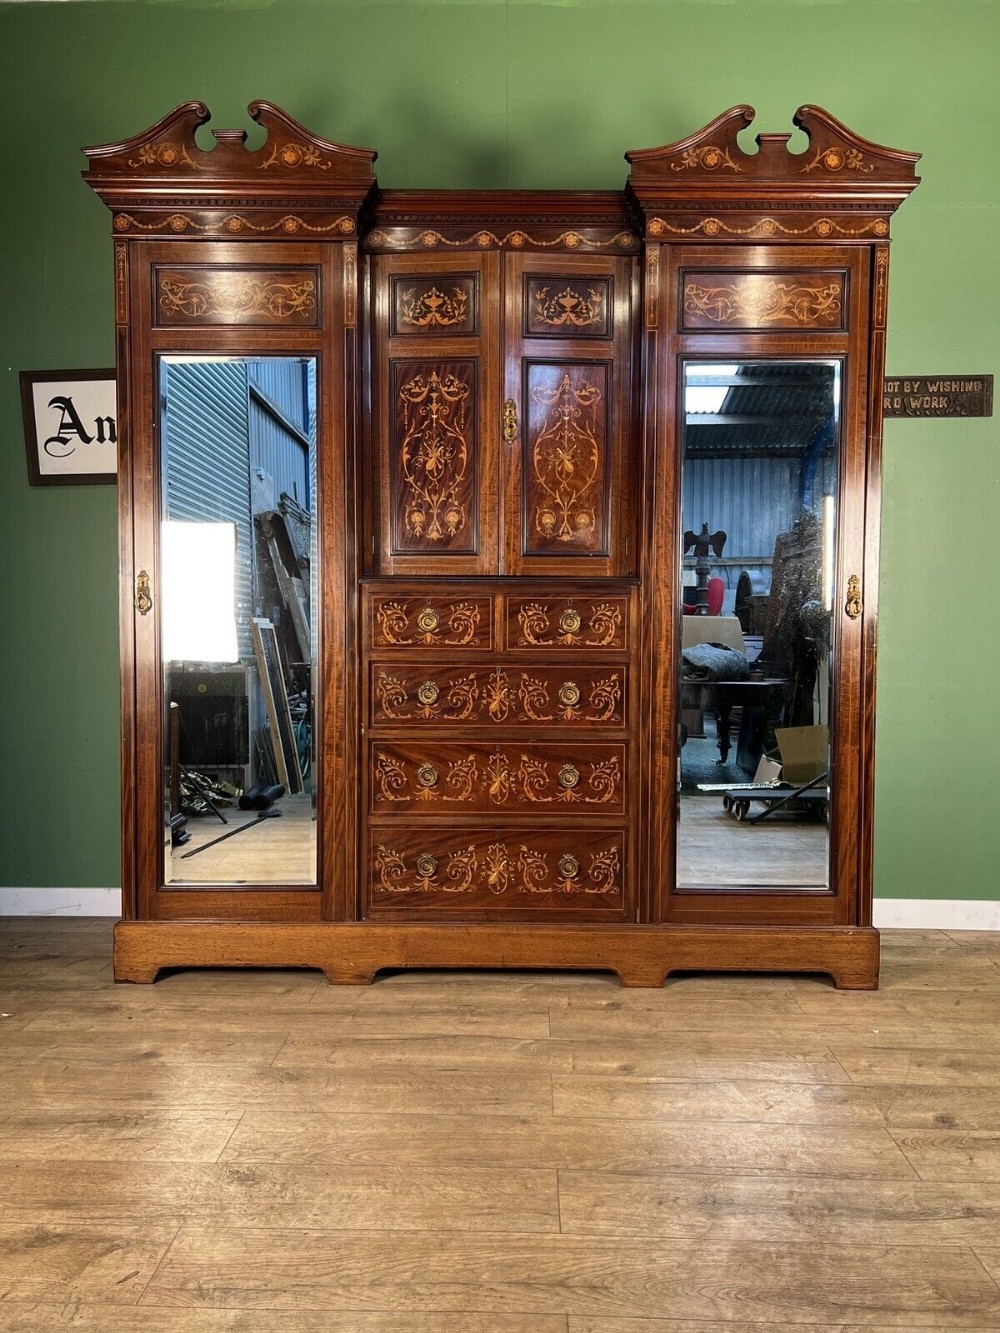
(568, 470)
(565, 464)
(435, 415)
(434, 457)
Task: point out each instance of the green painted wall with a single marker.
(513, 94)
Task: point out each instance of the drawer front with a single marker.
(454, 623)
(435, 696)
(564, 872)
(547, 780)
(558, 623)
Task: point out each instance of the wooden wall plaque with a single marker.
(938, 396)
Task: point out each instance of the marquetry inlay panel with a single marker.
(433, 462)
(762, 301)
(431, 622)
(568, 307)
(506, 779)
(555, 623)
(568, 870)
(442, 304)
(498, 696)
(283, 297)
(566, 464)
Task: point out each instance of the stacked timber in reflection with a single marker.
(500, 427)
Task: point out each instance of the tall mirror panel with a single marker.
(759, 495)
(238, 619)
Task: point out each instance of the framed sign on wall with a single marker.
(70, 426)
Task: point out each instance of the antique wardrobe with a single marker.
(439, 511)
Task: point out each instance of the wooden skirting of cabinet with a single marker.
(352, 953)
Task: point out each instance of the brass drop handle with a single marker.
(569, 866)
(569, 776)
(510, 420)
(570, 621)
(428, 693)
(428, 620)
(854, 605)
(569, 693)
(143, 596)
(426, 866)
(427, 775)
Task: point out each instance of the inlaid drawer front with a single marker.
(282, 296)
(485, 870)
(431, 622)
(762, 301)
(561, 622)
(498, 696)
(515, 779)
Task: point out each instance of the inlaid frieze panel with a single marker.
(762, 301)
(498, 696)
(433, 462)
(567, 307)
(507, 779)
(441, 304)
(284, 297)
(556, 623)
(566, 464)
(484, 870)
(431, 622)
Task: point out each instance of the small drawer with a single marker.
(435, 696)
(566, 872)
(455, 623)
(406, 779)
(553, 624)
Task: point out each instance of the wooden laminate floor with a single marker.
(519, 1153)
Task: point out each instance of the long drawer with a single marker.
(451, 779)
(474, 871)
(497, 696)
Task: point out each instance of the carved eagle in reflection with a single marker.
(702, 542)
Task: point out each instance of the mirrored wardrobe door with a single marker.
(238, 619)
(759, 501)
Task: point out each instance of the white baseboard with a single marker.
(889, 913)
(935, 914)
(60, 902)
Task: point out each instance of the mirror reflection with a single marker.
(237, 618)
(760, 464)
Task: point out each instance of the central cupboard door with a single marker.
(501, 415)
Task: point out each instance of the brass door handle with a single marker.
(510, 420)
(143, 596)
(854, 605)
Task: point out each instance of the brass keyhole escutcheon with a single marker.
(428, 692)
(510, 420)
(569, 866)
(570, 621)
(426, 866)
(427, 775)
(853, 607)
(569, 776)
(143, 596)
(569, 693)
(428, 620)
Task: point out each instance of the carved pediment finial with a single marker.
(838, 162)
(167, 152)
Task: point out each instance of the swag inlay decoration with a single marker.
(502, 397)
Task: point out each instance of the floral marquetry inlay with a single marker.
(234, 297)
(499, 696)
(567, 448)
(709, 158)
(568, 307)
(594, 625)
(434, 463)
(434, 623)
(497, 869)
(403, 775)
(433, 308)
(758, 300)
